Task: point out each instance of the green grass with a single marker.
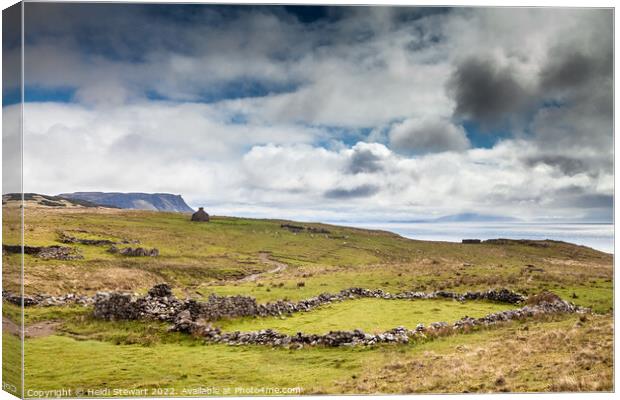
(144, 333)
(11, 363)
(596, 295)
(37, 314)
(199, 256)
(97, 365)
(369, 315)
(94, 364)
(203, 258)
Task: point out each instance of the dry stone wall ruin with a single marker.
(160, 304)
(194, 317)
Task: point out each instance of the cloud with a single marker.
(486, 92)
(366, 104)
(566, 165)
(415, 136)
(229, 167)
(359, 191)
(102, 93)
(571, 70)
(11, 149)
(367, 158)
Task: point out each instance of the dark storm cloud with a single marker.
(577, 80)
(11, 64)
(486, 92)
(569, 67)
(572, 70)
(364, 161)
(359, 191)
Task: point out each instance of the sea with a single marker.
(599, 236)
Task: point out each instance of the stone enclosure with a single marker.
(194, 317)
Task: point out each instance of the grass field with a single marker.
(198, 259)
(555, 354)
(369, 315)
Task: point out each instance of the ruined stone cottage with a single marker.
(200, 215)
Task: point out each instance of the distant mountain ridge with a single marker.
(466, 217)
(134, 201)
(473, 217)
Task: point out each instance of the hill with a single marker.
(44, 200)
(273, 260)
(134, 201)
(210, 257)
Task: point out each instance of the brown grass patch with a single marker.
(556, 356)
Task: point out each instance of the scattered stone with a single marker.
(135, 252)
(45, 252)
(526, 242)
(65, 238)
(59, 253)
(312, 229)
(292, 228)
(161, 290)
(113, 250)
(543, 297)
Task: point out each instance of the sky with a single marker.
(323, 113)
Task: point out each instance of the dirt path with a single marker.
(264, 258)
(36, 330)
(9, 326)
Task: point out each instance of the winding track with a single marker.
(34, 330)
(264, 258)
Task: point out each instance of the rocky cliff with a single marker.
(137, 201)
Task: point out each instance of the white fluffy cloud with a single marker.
(268, 172)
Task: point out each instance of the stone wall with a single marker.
(45, 300)
(162, 305)
(194, 317)
(158, 304)
(45, 252)
(356, 337)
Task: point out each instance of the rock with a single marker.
(183, 323)
(138, 252)
(160, 290)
